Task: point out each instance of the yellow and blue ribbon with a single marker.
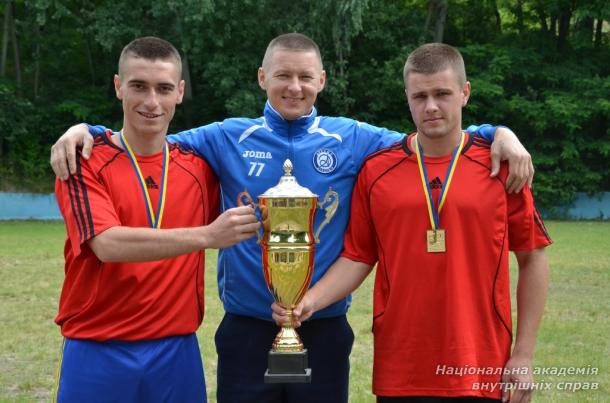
(154, 220)
(433, 213)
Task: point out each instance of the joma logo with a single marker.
(257, 154)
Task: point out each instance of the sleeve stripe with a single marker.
(79, 217)
(85, 199)
(480, 141)
(73, 205)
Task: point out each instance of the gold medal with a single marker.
(435, 237)
(435, 240)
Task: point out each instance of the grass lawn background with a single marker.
(574, 333)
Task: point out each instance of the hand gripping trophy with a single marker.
(288, 245)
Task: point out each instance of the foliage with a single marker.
(21, 147)
(540, 67)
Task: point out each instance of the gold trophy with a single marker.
(288, 245)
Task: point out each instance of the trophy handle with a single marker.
(245, 195)
(331, 209)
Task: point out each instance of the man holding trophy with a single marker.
(249, 154)
(132, 296)
(442, 313)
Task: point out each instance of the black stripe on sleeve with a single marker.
(73, 204)
(479, 141)
(79, 175)
(80, 216)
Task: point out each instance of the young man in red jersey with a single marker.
(132, 297)
(439, 228)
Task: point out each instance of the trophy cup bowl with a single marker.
(288, 248)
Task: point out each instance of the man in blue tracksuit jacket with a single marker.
(248, 154)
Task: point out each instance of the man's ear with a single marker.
(181, 86)
(117, 86)
(261, 79)
(322, 79)
(466, 93)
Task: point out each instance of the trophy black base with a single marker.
(287, 368)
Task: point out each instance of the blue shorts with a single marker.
(243, 343)
(163, 370)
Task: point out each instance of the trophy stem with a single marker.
(287, 339)
(290, 322)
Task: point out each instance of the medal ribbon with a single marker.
(433, 214)
(154, 220)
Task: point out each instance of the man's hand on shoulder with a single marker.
(63, 152)
(506, 146)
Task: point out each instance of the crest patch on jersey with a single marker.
(325, 161)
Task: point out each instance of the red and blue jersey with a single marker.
(141, 300)
(434, 311)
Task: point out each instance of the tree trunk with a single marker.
(342, 104)
(519, 13)
(498, 16)
(542, 18)
(37, 63)
(5, 35)
(598, 33)
(437, 11)
(440, 20)
(585, 27)
(16, 53)
(553, 25)
(564, 29)
(90, 59)
(431, 8)
(341, 63)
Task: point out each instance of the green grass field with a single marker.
(574, 334)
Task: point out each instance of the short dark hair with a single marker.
(150, 48)
(293, 41)
(432, 58)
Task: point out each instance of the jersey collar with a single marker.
(288, 127)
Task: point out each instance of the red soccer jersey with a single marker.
(436, 314)
(132, 301)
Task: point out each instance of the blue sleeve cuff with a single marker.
(96, 130)
(485, 130)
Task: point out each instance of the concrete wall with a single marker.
(26, 206)
(587, 207)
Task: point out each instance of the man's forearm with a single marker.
(505, 134)
(126, 244)
(531, 297)
(343, 277)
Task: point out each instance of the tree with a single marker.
(10, 34)
(437, 12)
(540, 66)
